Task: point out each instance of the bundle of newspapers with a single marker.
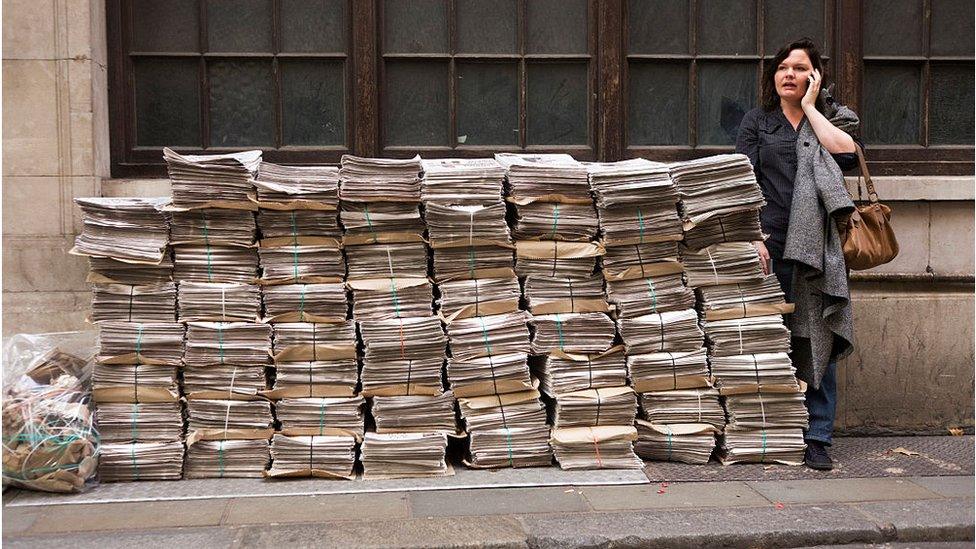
(470, 262)
(506, 430)
(472, 181)
(319, 415)
(321, 302)
(636, 201)
(328, 456)
(465, 298)
(554, 258)
(734, 227)
(222, 180)
(727, 263)
(761, 297)
(213, 226)
(133, 230)
(402, 259)
(605, 447)
(453, 225)
(682, 442)
(393, 455)
(298, 263)
(745, 336)
(640, 260)
(699, 405)
(653, 294)
(387, 298)
(555, 221)
(553, 294)
(753, 371)
(224, 419)
(297, 188)
(563, 372)
(415, 413)
(287, 226)
(227, 458)
(315, 359)
(379, 222)
(367, 180)
(668, 370)
(131, 461)
(595, 407)
(715, 185)
(219, 301)
(544, 177)
(122, 342)
(215, 263)
(133, 303)
(489, 354)
(572, 332)
(237, 343)
(655, 332)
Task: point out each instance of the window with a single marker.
(310, 80)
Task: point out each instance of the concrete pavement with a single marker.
(788, 513)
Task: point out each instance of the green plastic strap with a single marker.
(762, 458)
(670, 446)
(640, 221)
(555, 220)
(206, 240)
(396, 297)
(471, 260)
(559, 330)
(294, 245)
(220, 341)
(138, 340)
(484, 334)
(135, 462)
(369, 223)
(322, 416)
(135, 422)
(650, 289)
(301, 303)
(508, 441)
(220, 457)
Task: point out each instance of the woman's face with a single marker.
(791, 76)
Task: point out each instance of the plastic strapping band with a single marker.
(220, 457)
(508, 441)
(220, 341)
(596, 447)
(555, 256)
(139, 343)
(131, 290)
(650, 289)
(494, 382)
(403, 348)
(589, 364)
(409, 374)
(471, 229)
(301, 304)
(393, 287)
(660, 318)
(742, 299)
(572, 299)
(135, 462)
(484, 336)
(599, 405)
(738, 325)
(315, 343)
(721, 227)
(698, 394)
(206, 240)
(559, 331)
(640, 260)
(640, 221)
(670, 443)
(712, 262)
(135, 422)
(369, 223)
(135, 381)
(471, 261)
(230, 399)
(477, 298)
(311, 450)
(674, 369)
(755, 364)
(294, 245)
(762, 458)
(555, 220)
(322, 416)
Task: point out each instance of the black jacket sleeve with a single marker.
(747, 140)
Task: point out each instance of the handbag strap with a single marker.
(865, 175)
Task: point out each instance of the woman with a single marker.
(768, 136)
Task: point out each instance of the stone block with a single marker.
(82, 144)
(80, 85)
(496, 501)
(78, 28)
(923, 188)
(375, 506)
(136, 187)
(42, 264)
(912, 368)
(80, 187)
(949, 487)
(838, 490)
(677, 495)
(43, 312)
(910, 221)
(28, 30)
(951, 241)
(926, 520)
(30, 123)
(100, 123)
(125, 516)
(32, 205)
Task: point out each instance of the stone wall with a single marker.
(55, 148)
(912, 371)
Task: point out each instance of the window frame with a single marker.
(607, 103)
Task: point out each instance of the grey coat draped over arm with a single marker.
(822, 324)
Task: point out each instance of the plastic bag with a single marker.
(49, 439)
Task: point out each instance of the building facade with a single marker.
(93, 89)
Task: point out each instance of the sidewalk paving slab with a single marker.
(209, 538)
(489, 532)
(937, 519)
(672, 495)
(693, 529)
(841, 490)
(497, 501)
(289, 509)
(126, 516)
(949, 487)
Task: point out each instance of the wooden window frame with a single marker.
(607, 67)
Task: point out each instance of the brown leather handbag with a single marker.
(867, 237)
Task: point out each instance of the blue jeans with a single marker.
(822, 402)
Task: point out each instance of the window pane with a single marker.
(487, 104)
(893, 27)
(786, 20)
(556, 104)
(486, 26)
(165, 26)
(415, 26)
(313, 102)
(416, 103)
(891, 104)
(239, 25)
(241, 104)
(657, 26)
(951, 105)
(658, 104)
(727, 27)
(952, 27)
(167, 102)
(725, 92)
(556, 26)
(314, 25)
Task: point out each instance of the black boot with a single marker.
(816, 456)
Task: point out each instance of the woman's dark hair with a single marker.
(770, 99)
